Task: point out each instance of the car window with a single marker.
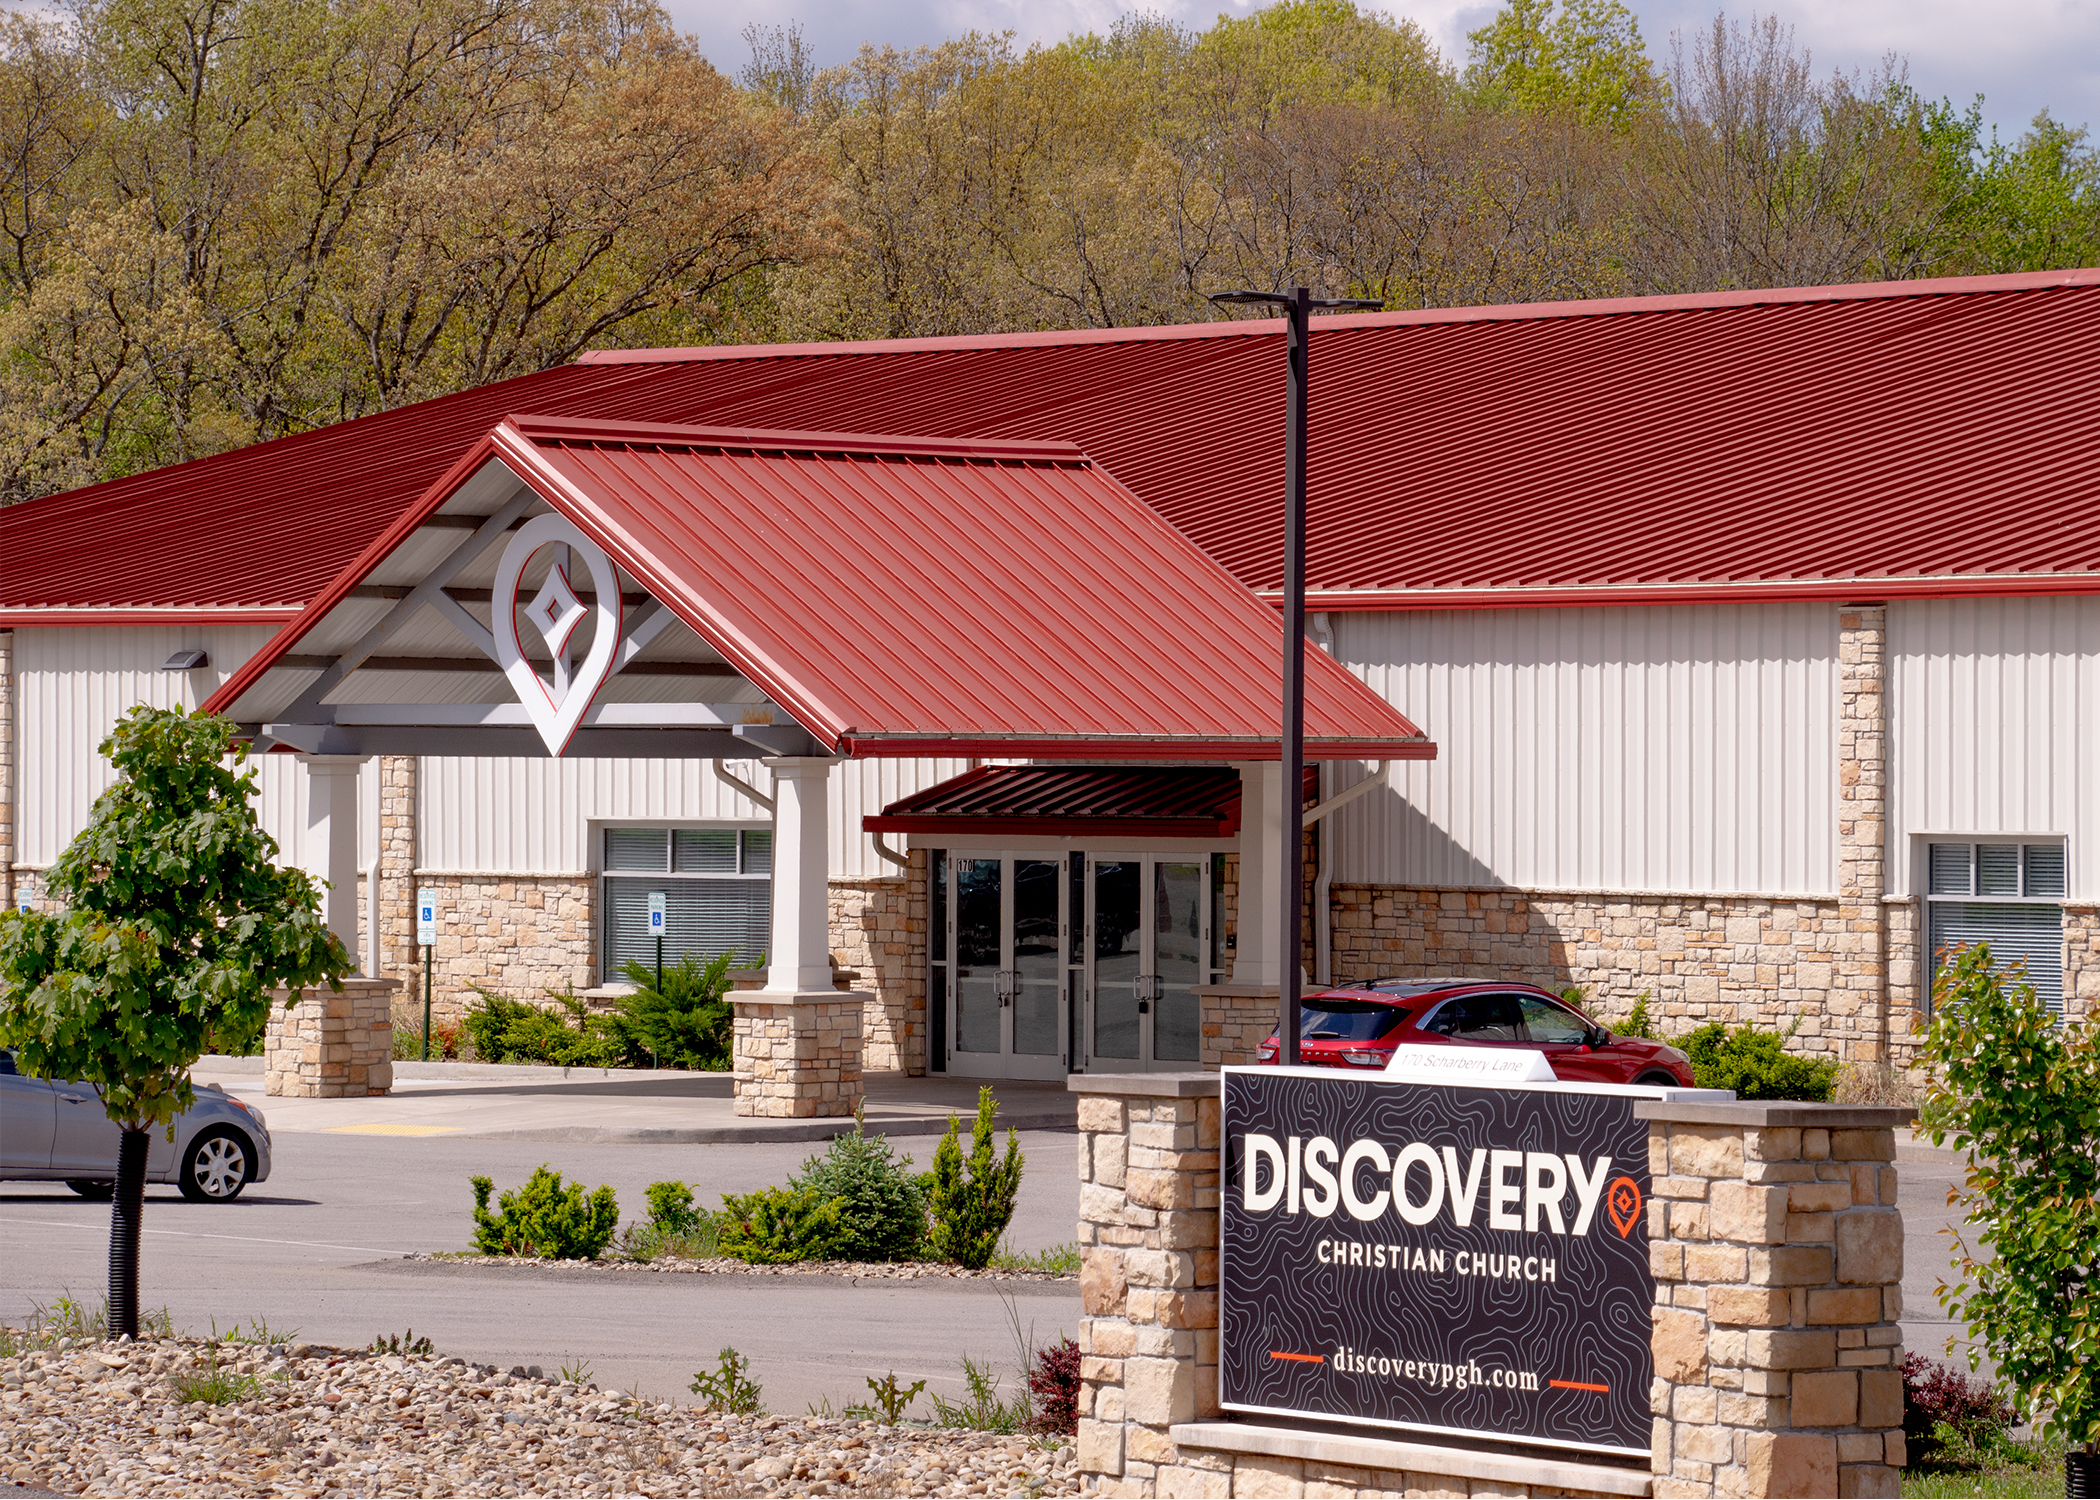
(7, 1063)
(1476, 1018)
(1348, 1020)
(1546, 1022)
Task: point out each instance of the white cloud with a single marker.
(2021, 55)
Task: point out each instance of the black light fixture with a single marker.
(1297, 305)
(188, 660)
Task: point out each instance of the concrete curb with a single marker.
(761, 1130)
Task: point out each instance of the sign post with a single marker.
(656, 930)
(1466, 1258)
(426, 936)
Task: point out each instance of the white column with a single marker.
(331, 839)
(1260, 917)
(800, 962)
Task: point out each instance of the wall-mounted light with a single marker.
(186, 661)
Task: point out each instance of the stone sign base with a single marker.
(332, 1044)
(797, 1056)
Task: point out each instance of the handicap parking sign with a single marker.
(426, 918)
(656, 914)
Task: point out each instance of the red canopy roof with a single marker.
(920, 598)
(1079, 801)
(1908, 439)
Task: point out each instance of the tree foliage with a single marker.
(177, 921)
(2019, 1096)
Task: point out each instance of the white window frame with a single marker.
(2024, 843)
(609, 971)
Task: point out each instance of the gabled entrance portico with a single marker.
(622, 590)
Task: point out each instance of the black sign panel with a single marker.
(1451, 1259)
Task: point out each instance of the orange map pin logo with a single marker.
(1623, 1202)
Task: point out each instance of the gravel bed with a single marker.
(107, 1419)
(866, 1270)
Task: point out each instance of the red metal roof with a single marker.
(1080, 801)
(1908, 439)
(1077, 802)
(871, 588)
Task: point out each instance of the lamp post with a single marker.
(1297, 306)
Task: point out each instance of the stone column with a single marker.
(1777, 1249)
(333, 1044)
(1148, 1279)
(399, 957)
(331, 840)
(7, 770)
(797, 1042)
(1858, 1005)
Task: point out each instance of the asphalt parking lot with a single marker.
(318, 1248)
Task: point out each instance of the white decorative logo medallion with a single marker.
(555, 612)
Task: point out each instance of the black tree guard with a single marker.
(126, 1210)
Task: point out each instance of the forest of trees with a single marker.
(223, 221)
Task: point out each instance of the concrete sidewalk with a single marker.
(489, 1101)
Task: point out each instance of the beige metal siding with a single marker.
(1991, 703)
(521, 816)
(1683, 749)
(75, 683)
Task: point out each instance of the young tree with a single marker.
(177, 923)
(2018, 1095)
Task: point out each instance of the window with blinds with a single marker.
(718, 893)
(2004, 895)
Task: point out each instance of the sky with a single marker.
(2021, 55)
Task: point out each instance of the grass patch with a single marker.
(215, 1385)
(699, 1240)
(2001, 1467)
(1058, 1260)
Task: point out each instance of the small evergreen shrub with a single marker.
(970, 1202)
(545, 1218)
(881, 1207)
(686, 1024)
(515, 1031)
(1756, 1064)
(1054, 1382)
(1936, 1394)
(1638, 1022)
(671, 1208)
(776, 1226)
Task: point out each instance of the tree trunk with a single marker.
(126, 1209)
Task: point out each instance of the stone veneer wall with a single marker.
(1777, 1249)
(871, 934)
(521, 935)
(1736, 959)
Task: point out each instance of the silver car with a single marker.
(59, 1132)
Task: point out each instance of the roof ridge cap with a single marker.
(1497, 312)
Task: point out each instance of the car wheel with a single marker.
(216, 1167)
(1658, 1081)
(94, 1192)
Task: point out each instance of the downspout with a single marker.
(901, 861)
(1323, 877)
(722, 773)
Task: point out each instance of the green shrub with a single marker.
(686, 1024)
(775, 1226)
(1638, 1022)
(544, 1218)
(971, 1202)
(671, 1208)
(1756, 1064)
(570, 1036)
(881, 1207)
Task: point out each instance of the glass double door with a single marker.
(1068, 962)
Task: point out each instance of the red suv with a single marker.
(1359, 1027)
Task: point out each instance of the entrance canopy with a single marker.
(625, 589)
(1193, 802)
